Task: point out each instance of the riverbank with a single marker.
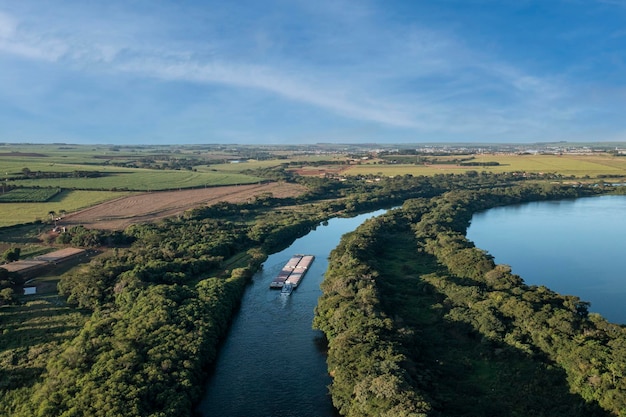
(452, 333)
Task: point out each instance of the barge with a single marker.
(293, 272)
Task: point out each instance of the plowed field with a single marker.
(149, 207)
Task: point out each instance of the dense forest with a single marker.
(422, 323)
(157, 304)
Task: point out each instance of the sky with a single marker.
(302, 71)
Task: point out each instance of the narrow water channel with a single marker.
(272, 362)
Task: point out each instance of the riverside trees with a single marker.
(454, 334)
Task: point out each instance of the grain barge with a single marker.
(293, 271)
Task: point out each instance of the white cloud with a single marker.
(408, 77)
(268, 79)
(180, 66)
(14, 41)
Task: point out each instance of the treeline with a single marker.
(480, 164)
(420, 322)
(28, 174)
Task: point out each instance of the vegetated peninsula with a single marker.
(422, 323)
(418, 321)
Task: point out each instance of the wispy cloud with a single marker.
(29, 45)
(360, 63)
(181, 66)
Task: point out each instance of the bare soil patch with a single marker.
(149, 207)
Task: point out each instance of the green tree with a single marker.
(11, 254)
(7, 296)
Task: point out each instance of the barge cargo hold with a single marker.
(293, 271)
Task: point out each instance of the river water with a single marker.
(574, 247)
(272, 363)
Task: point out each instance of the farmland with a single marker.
(578, 166)
(141, 208)
(142, 180)
(29, 195)
(68, 201)
(91, 175)
(130, 168)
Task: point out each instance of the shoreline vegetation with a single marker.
(145, 318)
(422, 323)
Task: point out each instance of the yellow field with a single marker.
(16, 213)
(579, 166)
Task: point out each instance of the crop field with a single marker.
(240, 166)
(579, 166)
(68, 201)
(76, 154)
(142, 180)
(149, 207)
(28, 195)
(256, 164)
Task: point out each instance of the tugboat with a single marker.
(287, 289)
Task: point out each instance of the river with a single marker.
(272, 362)
(573, 247)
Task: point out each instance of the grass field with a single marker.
(240, 166)
(579, 166)
(16, 213)
(256, 164)
(29, 195)
(142, 180)
(62, 158)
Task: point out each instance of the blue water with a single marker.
(272, 363)
(574, 247)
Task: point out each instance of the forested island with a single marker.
(418, 321)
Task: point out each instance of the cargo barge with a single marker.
(293, 271)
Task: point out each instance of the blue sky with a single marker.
(302, 71)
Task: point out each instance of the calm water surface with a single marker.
(272, 363)
(574, 247)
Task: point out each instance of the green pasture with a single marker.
(142, 180)
(235, 167)
(47, 154)
(68, 201)
(28, 195)
(68, 158)
(11, 167)
(579, 166)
